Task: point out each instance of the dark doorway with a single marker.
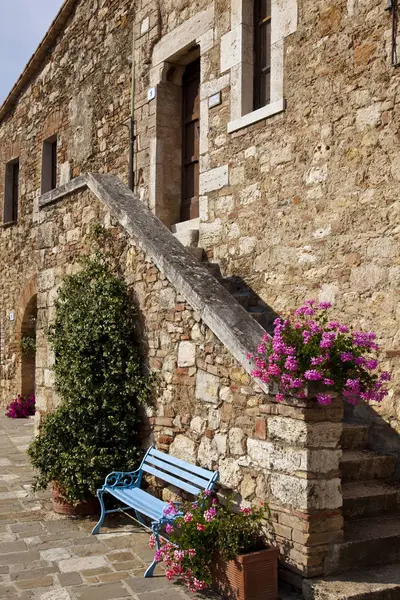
(28, 350)
(190, 141)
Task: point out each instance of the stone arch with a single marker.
(26, 327)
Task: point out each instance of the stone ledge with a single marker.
(226, 318)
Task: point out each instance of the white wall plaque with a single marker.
(214, 100)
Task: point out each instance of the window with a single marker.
(11, 192)
(262, 53)
(254, 52)
(49, 164)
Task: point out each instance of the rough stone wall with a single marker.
(304, 204)
(207, 409)
(82, 93)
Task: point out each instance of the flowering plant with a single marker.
(308, 347)
(21, 407)
(203, 529)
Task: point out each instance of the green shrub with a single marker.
(99, 377)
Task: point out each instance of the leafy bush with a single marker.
(21, 407)
(99, 376)
(204, 531)
(308, 347)
(28, 345)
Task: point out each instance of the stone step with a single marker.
(242, 297)
(354, 436)
(197, 253)
(362, 499)
(362, 465)
(257, 313)
(379, 583)
(366, 542)
(213, 269)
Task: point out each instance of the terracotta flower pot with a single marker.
(61, 506)
(249, 577)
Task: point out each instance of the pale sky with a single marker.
(23, 24)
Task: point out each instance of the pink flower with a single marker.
(210, 514)
(324, 305)
(327, 339)
(192, 552)
(152, 541)
(200, 527)
(249, 356)
(169, 528)
(280, 397)
(343, 329)
(207, 493)
(324, 399)
(346, 356)
(188, 517)
(327, 381)
(170, 510)
(291, 363)
(318, 360)
(274, 370)
(312, 375)
(245, 510)
(179, 555)
(371, 364)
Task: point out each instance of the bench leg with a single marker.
(96, 529)
(150, 570)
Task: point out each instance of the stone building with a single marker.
(266, 141)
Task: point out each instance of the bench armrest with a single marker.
(122, 479)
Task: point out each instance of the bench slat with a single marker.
(182, 485)
(143, 503)
(184, 475)
(182, 464)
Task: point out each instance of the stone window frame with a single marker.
(237, 57)
(190, 40)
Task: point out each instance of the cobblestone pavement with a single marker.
(44, 556)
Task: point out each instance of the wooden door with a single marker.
(190, 141)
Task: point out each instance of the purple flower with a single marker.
(307, 335)
(343, 329)
(313, 375)
(296, 383)
(324, 399)
(385, 376)
(353, 385)
(169, 528)
(346, 356)
(334, 325)
(318, 360)
(327, 339)
(261, 348)
(360, 360)
(371, 364)
(325, 305)
(328, 381)
(274, 370)
(291, 363)
(280, 397)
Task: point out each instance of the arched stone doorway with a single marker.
(28, 347)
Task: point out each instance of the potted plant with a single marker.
(308, 348)
(213, 545)
(99, 377)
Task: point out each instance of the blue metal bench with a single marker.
(125, 487)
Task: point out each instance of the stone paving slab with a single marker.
(44, 556)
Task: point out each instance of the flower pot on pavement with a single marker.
(61, 506)
(251, 576)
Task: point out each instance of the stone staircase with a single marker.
(363, 566)
(371, 510)
(188, 234)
